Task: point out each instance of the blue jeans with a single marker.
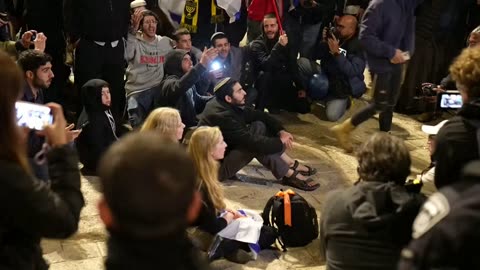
(336, 108)
(139, 106)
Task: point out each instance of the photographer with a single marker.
(178, 89)
(32, 209)
(457, 140)
(431, 92)
(342, 62)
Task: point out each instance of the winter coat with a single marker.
(233, 121)
(33, 209)
(366, 225)
(387, 25)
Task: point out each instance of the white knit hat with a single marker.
(138, 3)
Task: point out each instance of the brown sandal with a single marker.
(311, 171)
(293, 181)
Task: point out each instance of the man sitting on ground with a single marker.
(148, 231)
(252, 134)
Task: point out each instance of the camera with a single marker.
(427, 89)
(331, 31)
(34, 36)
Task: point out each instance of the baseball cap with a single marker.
(433, 130)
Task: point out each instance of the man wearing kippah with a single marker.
(253, 134)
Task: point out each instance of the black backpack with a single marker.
(303, 219)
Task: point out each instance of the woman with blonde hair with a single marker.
(166, 121)
(206, 148)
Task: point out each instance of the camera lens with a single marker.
(34, 36)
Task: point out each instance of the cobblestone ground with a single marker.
(314, 145)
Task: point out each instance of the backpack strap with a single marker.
(266, 212)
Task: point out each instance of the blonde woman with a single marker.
(166, 121)
(206, 147)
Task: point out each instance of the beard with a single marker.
(41, 84)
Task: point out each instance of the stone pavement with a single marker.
(314, 145)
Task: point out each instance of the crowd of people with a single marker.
(149, 82)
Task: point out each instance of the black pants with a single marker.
(276, 91)
(236, 159)
(93, 61)
(386, 91)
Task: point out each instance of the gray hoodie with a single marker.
(145, 62)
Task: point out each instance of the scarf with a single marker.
(190, 15)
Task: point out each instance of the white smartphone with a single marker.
(33, 116)
(406, 56)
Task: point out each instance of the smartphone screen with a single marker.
(450, 101)
(32, 115)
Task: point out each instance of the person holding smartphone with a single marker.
(32, 209)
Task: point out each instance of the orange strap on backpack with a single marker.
(287, 208)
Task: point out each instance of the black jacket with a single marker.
(233, 121)
(31, 209)
(175, 86)
(173, 252)
(344, 71)
(97, 20)
(456, 145)
(446, 232)
(269, 56)
(97, 133)
(366, 226)
(208, 219)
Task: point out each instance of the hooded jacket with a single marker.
(386, 26)
(366, 226)
(178, 88)
(97, 131)
(456, 144)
